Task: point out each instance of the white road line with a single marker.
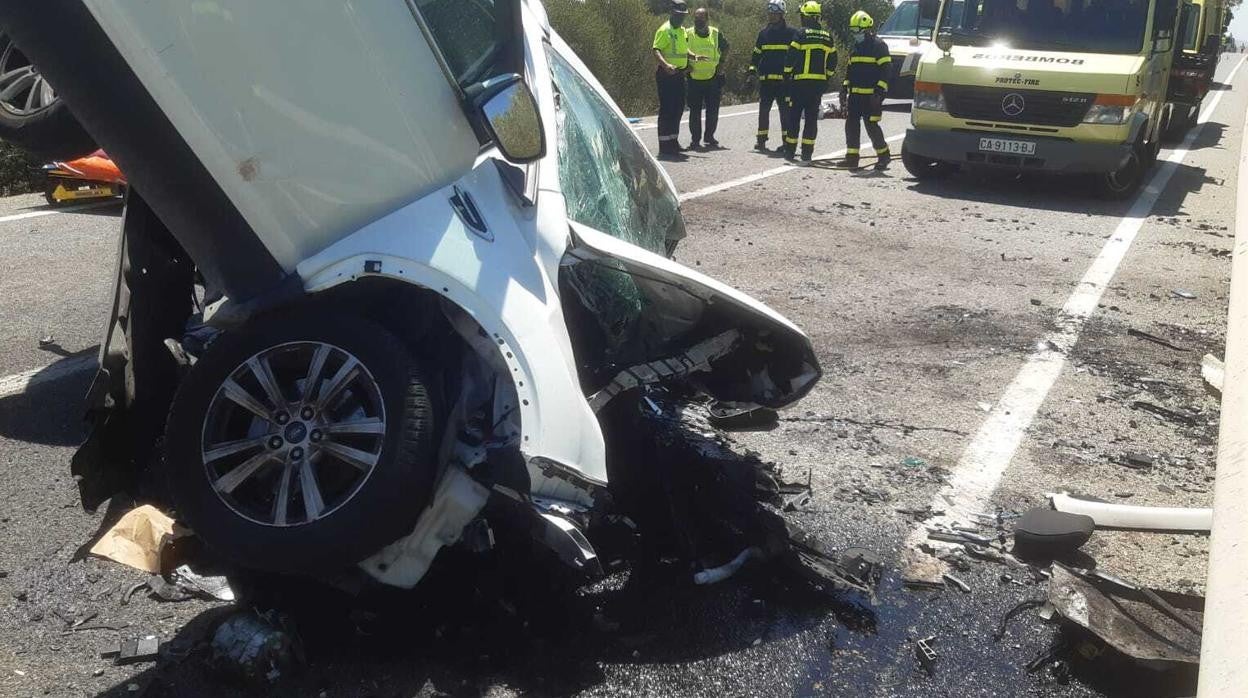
(55, 211)
(722, 116)
(732, 183)
(21, 382)
(989, 453)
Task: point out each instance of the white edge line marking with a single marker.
(19, 383)
(642, 126)
(732, 183)
(989, 453)
(55, 211)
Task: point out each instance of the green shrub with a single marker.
(613, 37)
(19, 174)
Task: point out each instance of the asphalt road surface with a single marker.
(974, 338)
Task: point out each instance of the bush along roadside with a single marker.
(613, 37)
(19, 174)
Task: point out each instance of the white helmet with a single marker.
(776, 6)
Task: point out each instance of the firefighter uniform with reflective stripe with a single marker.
(673, 43)
(866, 82)
(811, 63)
(706, 84)
(771, 53)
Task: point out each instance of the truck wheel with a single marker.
(924, 168)
(32, 116)
(1125, 181)
(302, 443)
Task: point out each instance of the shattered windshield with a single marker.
(1090, 26)
(906, 20)
(608, 178)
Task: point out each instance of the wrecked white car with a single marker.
(384, 263)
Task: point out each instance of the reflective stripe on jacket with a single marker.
(674, 45)
(868, 67)
(812, 56)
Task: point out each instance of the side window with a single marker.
(608, 179)
(467, 34)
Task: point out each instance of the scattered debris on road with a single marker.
(1145, 624)
(137, 538)
(926, 655)
(1183, 293)
(256, 647)
(1213, 371)
(1140, 334)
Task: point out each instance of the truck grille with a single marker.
(1017, 106)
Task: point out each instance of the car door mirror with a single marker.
(928, 9)
(510, 113)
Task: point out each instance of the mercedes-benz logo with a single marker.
(1013, 104)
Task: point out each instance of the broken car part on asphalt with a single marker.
(1144, 624)
(1045, 534)
(138, 538)
(1107, 515)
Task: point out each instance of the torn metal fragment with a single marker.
(695, 359)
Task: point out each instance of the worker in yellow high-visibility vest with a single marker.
(706, 78)
(671, 52)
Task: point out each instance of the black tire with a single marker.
(47, 131)
(382, 509)
(1126, 181)
(922, 168)
(1181, 120)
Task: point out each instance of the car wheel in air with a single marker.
(303, 442)
(32, 116)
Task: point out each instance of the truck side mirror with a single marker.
(510, 114)
(928, 9)
(944, 40)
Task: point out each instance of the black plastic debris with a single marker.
(1044, 534)
(1139, 334)
(133, 651)
(742, 416)
(1167, 414)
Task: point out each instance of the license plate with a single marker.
(1002, 145)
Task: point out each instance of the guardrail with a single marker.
(1224, 645)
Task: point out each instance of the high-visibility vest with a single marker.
(674, 45)
(704, 46)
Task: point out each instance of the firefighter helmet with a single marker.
(861, 20)
(776, 6)
(810, 8)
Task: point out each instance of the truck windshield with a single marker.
(906, 21)
(1084, 26)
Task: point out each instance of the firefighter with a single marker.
(771, 51)
(811, 63)
(671, 52)
(866, 83)
(706, 78)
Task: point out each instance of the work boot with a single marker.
(849, 162)
(882, 163)
(710, 142)
(808, 152)
(761, 145)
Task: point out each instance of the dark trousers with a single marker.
(862, 110)
(771, 92)
(807, 98)
(704, 93)
(671, 108)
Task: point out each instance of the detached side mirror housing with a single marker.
(928, 9)
(510, 115)
(944, 40)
